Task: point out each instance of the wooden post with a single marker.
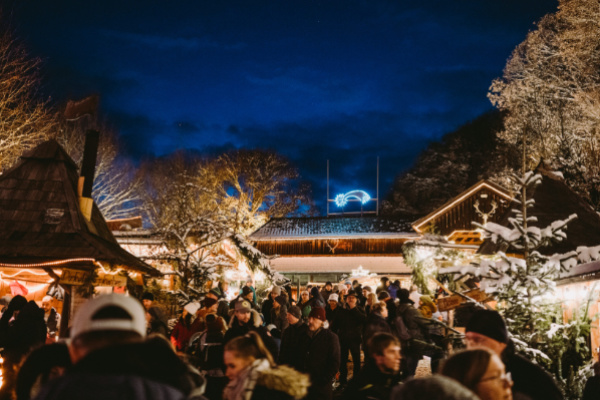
(66, 312)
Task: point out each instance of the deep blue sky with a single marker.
(315, 80)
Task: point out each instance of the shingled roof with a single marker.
(333, 227)
(554, 200)
(40, 218)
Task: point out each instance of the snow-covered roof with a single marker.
(340, 264)
(334, 228)
(583, 272)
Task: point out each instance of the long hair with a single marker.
(467, 367)
(249, 345)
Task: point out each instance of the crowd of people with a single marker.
(284, 348)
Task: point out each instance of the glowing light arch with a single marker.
(342, 199)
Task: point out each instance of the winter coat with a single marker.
(393, 291)
(254, 324)
(52, 324)
(158, 322)
(223, 309)
(592, 389)
(392, 308)
(305, 308)
(351, 323)
(279, 318)
(371, 384)
(529, 379)
(182, 332)
(281, 383)
(333, 317)
(325, 294)
(147, 370)
(27, 331)
(266, 308)
(321, 357)
(290, 351)
(375, 324)
(315, 298)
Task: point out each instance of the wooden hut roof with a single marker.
(40, 218)
(333, 227)
(554, 200)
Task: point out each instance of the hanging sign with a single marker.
(77, 278)
(452, 302)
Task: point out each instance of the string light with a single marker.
(342, 199)
(49, 263)
(4, 275)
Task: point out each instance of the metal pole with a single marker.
(327, 188)
(377, 213)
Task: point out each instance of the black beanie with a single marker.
(488, 323)
(148, 296)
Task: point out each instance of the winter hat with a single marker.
(17, 303)
(276, 290)
(318, 313)
(314, 292)
(404, 296)
(243, 305)
(281, 299)
(341, 287)
(192, 307)
(215, 293)
(295, 311)
(488, 323)
(328, 283)
(246, 291)
(348, 282)
(352, 293)
(89, 317)
(208, 302)
(334, 297)
(148, 296)
(368, 289)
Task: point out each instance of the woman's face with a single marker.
(235, 364)
(304, 296)
(495, 384)
(384, 312)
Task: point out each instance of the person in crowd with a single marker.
(321, 356)
(267, 305)
(393, 289)
(290, 351)
(342, 290)
(389, 303)
(487, 328)
(376, 322)
(221, 289)
(429, 311)
(315, 298)
(41, 366)
(253, 374)
(245, 320)
(383, 285)
(332, 312)
(357, 287)
(592, 386)
(366, 291)
(250, 285)
(414, 347)
(158, 322)
(113, 360)
(209, 307)
(371, 299)
(434, 387)
(186, 326)
(304, 304)
(481, 371)
(222, 303)
(414, 295)
(279, 313)
(351, 323)
(327, 290)
(52, 319)
(19, 337)
(381, 371)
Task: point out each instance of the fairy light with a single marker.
(342, 199)
(49, 263)
(23, 271)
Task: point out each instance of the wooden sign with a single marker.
(452, 302)
(77, 278)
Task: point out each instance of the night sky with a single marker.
(314, 80)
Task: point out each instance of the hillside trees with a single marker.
(25, 118)
(550, 93)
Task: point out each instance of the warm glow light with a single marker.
(49, 263)
(3, 275)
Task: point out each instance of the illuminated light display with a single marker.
(342, 199)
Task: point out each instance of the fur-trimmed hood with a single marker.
(286, 380)
(255, 318)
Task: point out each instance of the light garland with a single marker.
(22, 271)
(342, 199)
(49, 263)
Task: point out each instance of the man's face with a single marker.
(351, 300)
(147, 304)
(291, 319)
(328, 288)
(242, 315)
(333, 304)
(314, 324)
(476, 340)
(304, 296)
(46, 306)
(365, 292)
(389, 361)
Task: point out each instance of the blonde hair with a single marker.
(378, 307)
(372, 299)
(249, 345)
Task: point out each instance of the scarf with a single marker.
(241, 388)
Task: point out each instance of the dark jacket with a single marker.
(53, 322)
(279, 318)
(27, 331)
(148, 370)
(375, 324)
(333, 317)
(351, 324)
(321, 359)
(592, 389)
(371, 384)
(266, 308)
(390, 304)
(305, 308)
(529, 379)
(290, 351)
(325, 294)
(158, 322)
(254, 324)
(223, 309)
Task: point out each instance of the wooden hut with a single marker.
(52, 235)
